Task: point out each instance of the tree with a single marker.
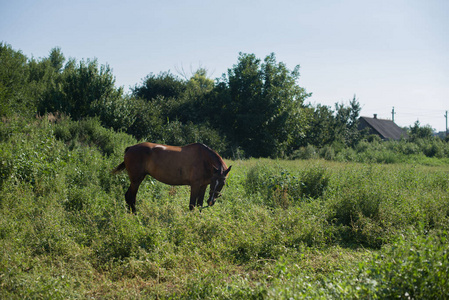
(119, 112)
(420, 132)
(193, 104)
(338, 127)
(15, 95)
(266, 110)
(321, 127)
(148, 120)
(44, 77)
(56, 59)
(346, 129)
(199, 84)
(78, 87)
(165, 84)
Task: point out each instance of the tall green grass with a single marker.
(431, 152)
(301, 229)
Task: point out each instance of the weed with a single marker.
(283, 228)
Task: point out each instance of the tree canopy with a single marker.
(257, 109)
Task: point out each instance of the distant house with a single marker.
(386, 129)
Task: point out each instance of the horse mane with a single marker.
(215, 157)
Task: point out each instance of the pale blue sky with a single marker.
(386, 52)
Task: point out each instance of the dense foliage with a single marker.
(257, 109)
(283, 229)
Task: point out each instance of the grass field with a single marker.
(283, 229)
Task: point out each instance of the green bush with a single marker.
(414, 268)
(410, 148)
(328, 153)
(314, 182)
(281, 188)
(177, 133)
(308, 152)
(89, 132)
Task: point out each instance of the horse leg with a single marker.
(130, 195)
(193, 196)
(201, 193)
(197, 196)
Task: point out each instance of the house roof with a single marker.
(387, 129)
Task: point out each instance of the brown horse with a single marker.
(196, 165)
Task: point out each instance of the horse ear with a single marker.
(227, 171)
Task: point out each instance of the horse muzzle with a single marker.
(213, 198)
(211, 202)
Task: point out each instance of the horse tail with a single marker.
(121, 166)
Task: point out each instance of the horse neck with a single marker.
(215, 159)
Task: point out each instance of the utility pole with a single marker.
(393, 113)
(446, 123)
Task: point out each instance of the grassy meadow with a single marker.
(283, 229)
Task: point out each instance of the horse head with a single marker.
(217, 182)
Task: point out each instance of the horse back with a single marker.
(169, 164)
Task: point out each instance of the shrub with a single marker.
(307, 152)
(434, 149)
(410, 148)
(328, 153)
(148, 121)
(414, 268)
(355, 205)
(177, 133)
(281, 188)
(89, 132)
(115, 112)
(314, 182)
(255, 179)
